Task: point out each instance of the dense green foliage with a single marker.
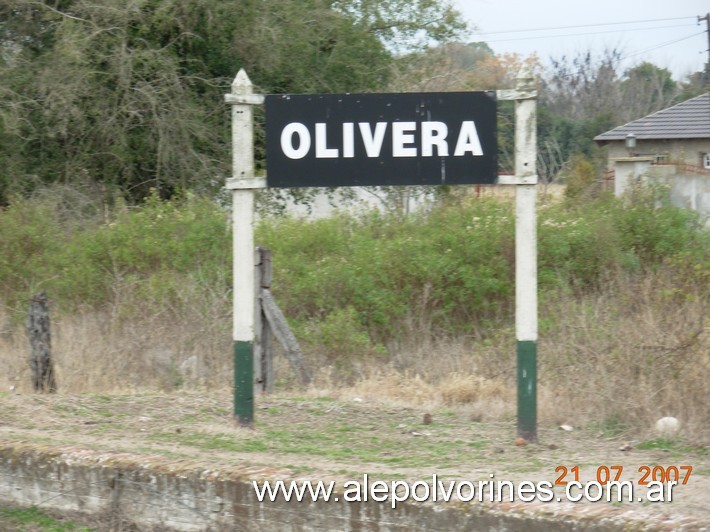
(130, 94)
(453, 268)
(151, 252)
(450, 269)
(452, 264)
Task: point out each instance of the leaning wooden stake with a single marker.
(40, 339)
(271, 322)
(283, 333)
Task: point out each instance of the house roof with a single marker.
(687, 120)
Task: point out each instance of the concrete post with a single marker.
(526, 255)
(242, 185)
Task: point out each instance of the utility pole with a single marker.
(706, 18)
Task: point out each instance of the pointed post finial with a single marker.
(241, 84)
(525, 80)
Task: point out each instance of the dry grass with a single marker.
(131, 347)
(619, 358)
(631, 354)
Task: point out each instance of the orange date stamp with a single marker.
(612, 473)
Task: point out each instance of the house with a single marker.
(671, 146)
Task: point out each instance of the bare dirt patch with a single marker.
(324, 438)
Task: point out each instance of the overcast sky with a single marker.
(597, 25)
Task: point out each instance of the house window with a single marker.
(706, 160)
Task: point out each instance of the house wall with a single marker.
(689, 190)
(689, 151)
(628, 171)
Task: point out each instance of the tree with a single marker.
(102, 92)
(646, 89)
(583, 86)
(585, 95)
(693, 85)
(405, 25)
(130, 94)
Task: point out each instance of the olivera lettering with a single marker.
(408, 139)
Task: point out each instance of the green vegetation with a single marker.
(623, 284)
(349, 283)
(124, 97)
(129, 96)
(337, 441)
(151, 250)
(670, 444)
(29, 519)
(113, 143)
(609, 428)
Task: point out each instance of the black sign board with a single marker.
(381, 139)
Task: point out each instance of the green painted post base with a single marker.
(527, 390)
(244, 383)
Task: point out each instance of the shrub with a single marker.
(652, 228)
(30, 232)
(341, 339)
(582, 178)
(452, 264)
(148, 252)
(453, 268)
(450, 270)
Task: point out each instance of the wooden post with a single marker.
(242, 184)
(259, 382)
(264, 353)
(39, 334)
(271, 322)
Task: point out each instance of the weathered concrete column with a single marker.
(243, 184)
(526, 254)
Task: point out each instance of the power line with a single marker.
(668, 43)
(624, 58)
(585, 34)
(696, 20)
(585, 25)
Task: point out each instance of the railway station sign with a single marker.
(381, 139)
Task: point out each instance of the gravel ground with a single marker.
(322, 438)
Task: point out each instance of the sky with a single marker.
(664, 32)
